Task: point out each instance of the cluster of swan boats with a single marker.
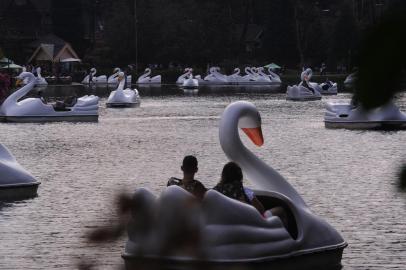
(252, 76)
(17, 108)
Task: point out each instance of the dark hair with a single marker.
(231, 172)
(189, 163)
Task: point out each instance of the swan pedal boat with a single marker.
(15, 182)
(326, 88)
(301, 93)
(386, 117)
(123, 98)
(146, 79)
(232, 233)
(31, 110)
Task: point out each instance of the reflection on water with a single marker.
(346, 177)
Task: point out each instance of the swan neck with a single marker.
(254, 168)
(14, 97)
(121, 85)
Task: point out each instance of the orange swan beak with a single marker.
(255, 134)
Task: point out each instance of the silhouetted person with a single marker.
(41, 97)
(231, 186)
(189, 168)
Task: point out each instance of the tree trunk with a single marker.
(298, 36)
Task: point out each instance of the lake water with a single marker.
(346, 177)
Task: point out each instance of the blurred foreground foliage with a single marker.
(402, 178)
(382, 64)
(382, 61)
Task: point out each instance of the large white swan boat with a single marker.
(187, 81)
(121, 98)
(15, 181)
(92, 78)
(356, 117)
(146, 79)
(302, 93)
(226, 232)
(327, 88)
(13, 109)
(40, 81)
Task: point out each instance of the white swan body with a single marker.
(123, 97)
(190, 82)
(25, 81)
(102, 79)
(146, 79)
(328, 88)
(113, 79)
(347, 116)
(15, 181)
(300, 92)
(90, 78)
(34, 110)
(273, 76)
(255, 76)
(215, 77)
(235, 77)
(182, 77)
(261, 76)
(231, 231)
(40, 80)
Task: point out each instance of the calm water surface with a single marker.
(347, 177)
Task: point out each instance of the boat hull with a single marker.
(49, 118)
(328, 258)
(328, 93)
(122, 105)
(378, 125)
(18, 191)
(303, 98)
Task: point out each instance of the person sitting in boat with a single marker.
(39, 95)
(231, 186)
(305, 82)
(66, 103)
(71, 100)
(327, 84)
(189, 168)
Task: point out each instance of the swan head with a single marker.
(120, 76)
(23, 75)
(116, 70)
(249, 120)
(93, 70)
(250, 123)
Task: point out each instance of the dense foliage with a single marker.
(293, 33)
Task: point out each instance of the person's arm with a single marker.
(258, 205)
(200, 190)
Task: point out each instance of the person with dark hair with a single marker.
(231, 185)
(41, 97)
(189, 168)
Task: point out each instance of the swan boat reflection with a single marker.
(228, 232)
